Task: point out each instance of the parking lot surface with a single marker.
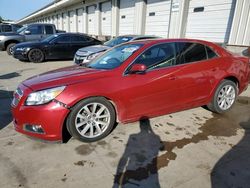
(192, 148)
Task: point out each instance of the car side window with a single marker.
(35, 29)
(78, 39)
(62, 39)
(49, 29)
(6, 28)
(159, 56)
(210, 53)
(188, 52)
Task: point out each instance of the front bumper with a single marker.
(20, 55)
(49, 116)
(80, 59)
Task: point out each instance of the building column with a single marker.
(140, 17)
(98, 19)
(85, 20)
(182, 19)
(115, 18)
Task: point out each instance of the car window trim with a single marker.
(125, 73)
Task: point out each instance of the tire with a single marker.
(9, 48)
(224, 97)
(36, 56)
(96, 114)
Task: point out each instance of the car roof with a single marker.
(214, 46)
(69, 33)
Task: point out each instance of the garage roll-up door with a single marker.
(72, 21)
(80, 23)
(157, 17)
(210, 20)
(106, 18)
(127, 17)
(91, 19)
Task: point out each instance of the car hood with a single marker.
(91, 49)
(9, 34)
(64, 76)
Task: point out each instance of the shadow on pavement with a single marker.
(138, 165)
(9, 75)
(5, 108)
(233, 169)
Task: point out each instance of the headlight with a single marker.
(23, 49)
(1, 37)
(93, 56)
(44, 96)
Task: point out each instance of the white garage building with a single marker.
(222, 21)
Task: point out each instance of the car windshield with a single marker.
(115, 57)
(51, 37)
(22, 29)
(117, 40)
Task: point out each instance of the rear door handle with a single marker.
(214, 69)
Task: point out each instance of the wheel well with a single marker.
(233, 79)
(10, 41)
(65, 133)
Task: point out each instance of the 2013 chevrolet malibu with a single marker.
(131, 81)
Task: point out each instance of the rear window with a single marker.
(210, 53)
(49, 30)
(190, 52)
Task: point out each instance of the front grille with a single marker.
(17, 97)
(79, 59)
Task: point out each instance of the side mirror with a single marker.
(27, 32)
(137, 68)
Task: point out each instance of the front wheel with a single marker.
(91, 119)
(36, 56)
(224, 97)
(9, 48)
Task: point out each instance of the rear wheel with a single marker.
(36, 56)
(224, 97)
(9, 48)
(91, 119)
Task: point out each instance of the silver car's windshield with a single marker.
(117, 40)
(114, 57)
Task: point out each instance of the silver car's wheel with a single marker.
(92, 120)
(226, 97)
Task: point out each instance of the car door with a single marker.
(196, 85)
(60, 48)
(33, 32)
(157, 91)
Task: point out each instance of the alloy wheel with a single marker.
(226, 97)
(92, 120)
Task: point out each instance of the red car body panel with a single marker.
(135, 95)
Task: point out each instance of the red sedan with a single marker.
(135, 80)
